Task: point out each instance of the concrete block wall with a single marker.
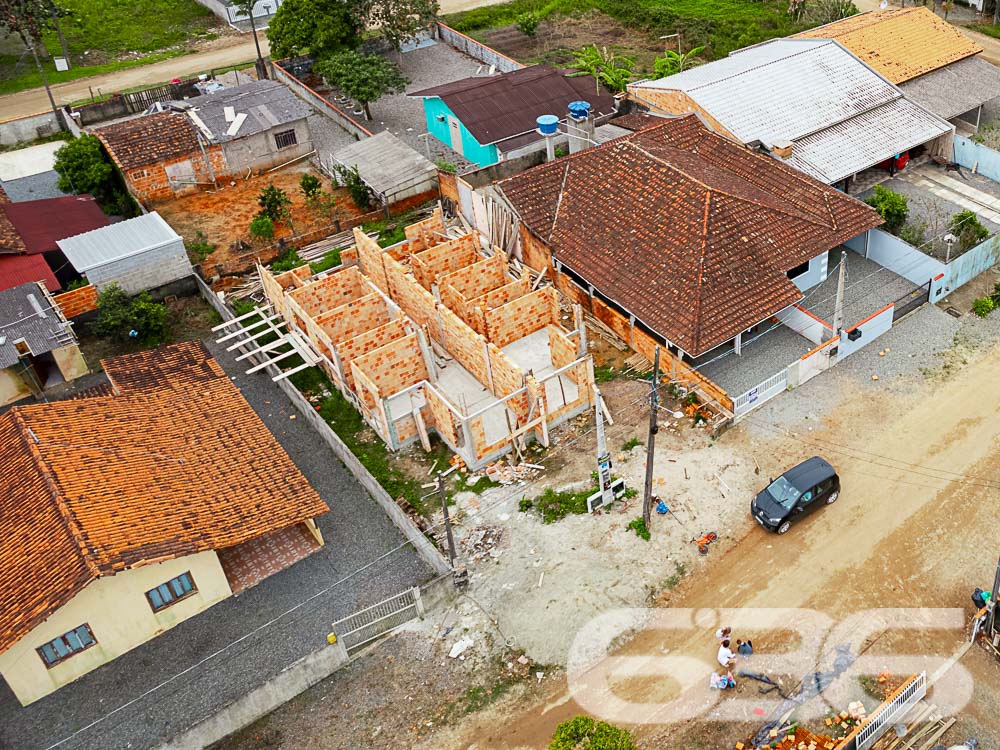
(331, 291)
(77, 301)
(355, 317)
(412, 298)
(363, 343)
(442, 259)
(522, 316)
(393, 367)
(146, 270)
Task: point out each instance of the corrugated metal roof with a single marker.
(21, 269)
(108, 244)
(870, 138)
(796, 89)
(266, 104)
(43, 222)
(387, 164)
(20, 319)
(956, 88)
(900, 43)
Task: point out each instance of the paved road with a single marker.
(356, 532)
(35, 101)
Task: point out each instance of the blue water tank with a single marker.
(579, 110)
(547, 124)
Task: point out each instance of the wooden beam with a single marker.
(280, 357)
(425, 440)
(246, 329)
(244, 316)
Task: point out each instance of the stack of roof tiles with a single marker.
(173, 463)
(688, 231)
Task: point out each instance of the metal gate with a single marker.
(891, 712)
(909, 303)
(375, 621)
(760, 393)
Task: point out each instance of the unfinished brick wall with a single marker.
(508, 378)
(464, 344)
(412, 298)
(77, 301)
(615, 321)
(443, 259)
(393, 367)
(441, 418)
(428, 231)
(570, 289)
(355, 317)
(477, 279)
(562, 349)
(370, 259)
(368, 341)
(449, 186)
(522, 316)
(503, 294)
(151, 183)
(534, 253)
(331, 291)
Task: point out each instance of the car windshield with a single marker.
(783, 493)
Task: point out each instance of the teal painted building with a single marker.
(445, 125)
(489, 118)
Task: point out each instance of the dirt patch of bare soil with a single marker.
(557, 39)
(223, 216)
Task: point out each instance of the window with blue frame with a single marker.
(171, 592)
(61, 648)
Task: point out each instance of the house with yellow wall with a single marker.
(133, 509)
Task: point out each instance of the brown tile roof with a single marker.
(498, 108)
(637, 121)
(690, 232)
(10, 240)
(175, 463)
(150, 139)
(900, 43)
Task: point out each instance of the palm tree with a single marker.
(605, 67)
(246, 7)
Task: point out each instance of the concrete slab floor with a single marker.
(869, 288)
(532, 354)
(26, 162)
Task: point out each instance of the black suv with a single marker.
(796, 493)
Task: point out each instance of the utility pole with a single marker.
(654, 403)
(603, 456)
(33, 45)
(54, 14)
(447, 520)
(838, 310)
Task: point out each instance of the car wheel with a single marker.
(833, 497)
(784, 527)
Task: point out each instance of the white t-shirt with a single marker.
(725, 655)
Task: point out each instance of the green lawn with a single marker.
(986, 28)
(109, 35)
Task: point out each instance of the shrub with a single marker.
(118, 315)
(969, 230)
(287, 261)
(639, 527)
(360, 194)
(631, 443)
(262, 228)
(273, 202)
(584, 732)
(892, 207)
(525, 505)
(328, 261)
(202, 248)
(446, 166)
(983, 306)
(527, 23)
(555, 505)
(77, 284)
(310, 185)
(914, 234)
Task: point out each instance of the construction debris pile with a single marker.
(503, 472)
(481, 543)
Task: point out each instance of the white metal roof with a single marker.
(387, 164)
(869, 138)
(796, 90)
(108, 244)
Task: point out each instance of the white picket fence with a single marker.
(760, 394)
(371, 623)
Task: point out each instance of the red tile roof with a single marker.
(688, 231)
(40, 223)
(20, 269)
(175, 463)
(150, 139)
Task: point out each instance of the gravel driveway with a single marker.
(356, 533)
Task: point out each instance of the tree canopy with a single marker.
(319, 27)
(364, 78)
(27, 18)
(399, 21)
(83, 167)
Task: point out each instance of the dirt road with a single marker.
(34, 101)
(916, 481)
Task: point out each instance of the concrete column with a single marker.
(738, 343)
